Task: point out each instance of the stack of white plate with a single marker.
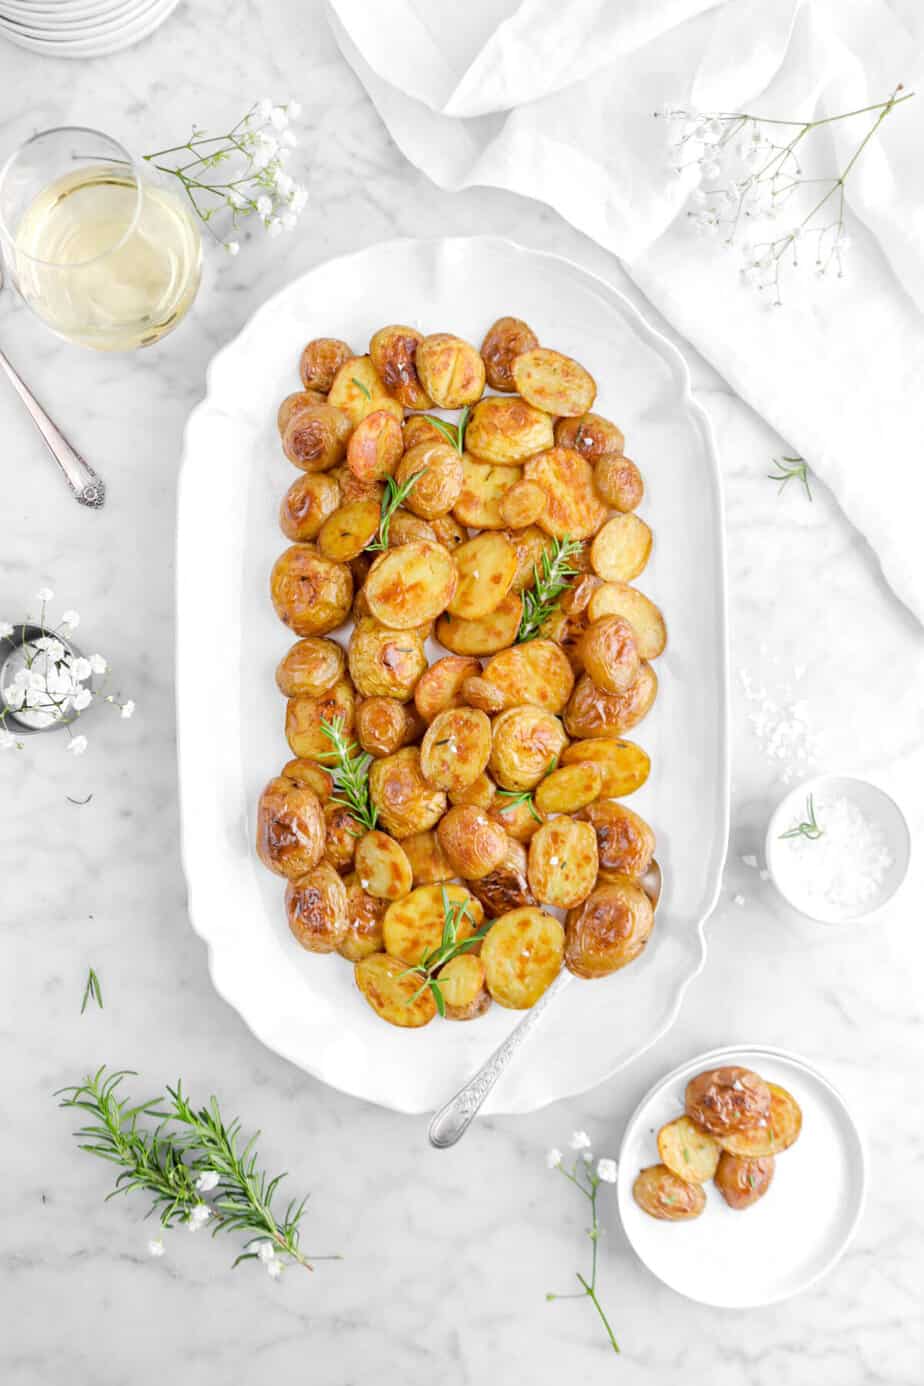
(80, 28)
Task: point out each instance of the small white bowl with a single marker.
(876, 805)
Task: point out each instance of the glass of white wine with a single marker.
(99, 249)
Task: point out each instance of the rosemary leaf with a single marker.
(552, 575)
(392, 499)
(351, 774)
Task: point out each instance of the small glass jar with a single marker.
(52, 703)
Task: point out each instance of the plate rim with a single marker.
(675, 358)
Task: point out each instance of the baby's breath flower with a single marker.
(553, 1158)
(207, 1181)
(273, 226)
(274, 1268)
(264, 205)
(278, 118)
(266, 1251)
(128, 709)
(98, 664)
(233, 247)
(156, 1246)
(262, 109)
(606, 1170)
(77, 745)
(83, 698)
(579, 1141)
(198, 1216)
(45, 594)
(71, 619)
(5, 629)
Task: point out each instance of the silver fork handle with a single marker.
(452, 1121)
(87, 487)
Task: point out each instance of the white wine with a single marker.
(94, 276)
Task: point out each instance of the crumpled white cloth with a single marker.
(555, 101)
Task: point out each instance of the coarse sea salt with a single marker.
(846, 866)
(781, 724)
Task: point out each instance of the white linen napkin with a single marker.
(556, 102)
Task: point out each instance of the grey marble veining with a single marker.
(447, 1254)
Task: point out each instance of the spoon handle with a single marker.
(452, 1121)
(86, 486)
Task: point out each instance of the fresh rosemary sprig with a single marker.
(351, 774)
(360, 386)
(790, 469)
(587, 1179)
(552, 576)
(394, 495)
(809, 828)
(92, 990)
(516, 797)
(450, 946)
(454, 433)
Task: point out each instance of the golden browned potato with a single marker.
(530, 544)
(364, 922)
(311, 593)
(316, 438)
(427, 858)
(346, 533)
(448, 532)
(320, 362)
(384, 725)
(450, 370)
(621, 549)
(571, 788)
(312, 666)
(484, 484)
(625, 842)
(461, 982)
(358, 390)
(609, 654)
(507, 431)
(292, 404)
(316, 908)
(522, 955)
(406, 528)
(411, 584)
(688, 1151)
(522, 505)
(438, 468)
(659, 1192)
(742, 1182)
(553, 382)
(440, 686)
(575, 599)
(486, 566)
(382, 866)
(352, 489)
(480, 792)
(536, 672)
(340, 843)
(375, 446)
(526, 742)
(519, 819)
(455, 748)
(624, 766)
(307, 504)
(485, 635)
(778, 1133)
(418, 428)
(505, 888)
(567, 632)
(591, 712)
(572, 507)
(472, 843)
(307, 774)
(393, 993)
(413, 926)
(385, 662)
(394, 354)
(619, 483)
(727, 1099)
(290, 828)
(304, 716)
(505, 340)
(481, 693)
(562, 864)
(608, 930)
(619, 599)
(405, 802)
(591, 435)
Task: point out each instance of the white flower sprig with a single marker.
(749, 176)
(587, 1175)
(52, 685)
(242, 172)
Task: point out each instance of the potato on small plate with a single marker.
(688, 1151)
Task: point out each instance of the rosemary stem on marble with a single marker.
(92, 992)
(791, 469)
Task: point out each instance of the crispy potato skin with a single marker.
(290, 828)
(410, 585)
(364, 923)
(448, 532)
(625, 842)
(462, 984)
(522, 955)
(406, 528)
(472, 843)
(778, 1133)
(624, 766)
(591, 712)
(394, 354)
(304, 717)
(572, 506)
(727, 1099)
(507, 431)
(406, 803)
(439, 472)
(505, 888)
(608, 930)
(375, 446)
(481, 693)
(455, 748)
(311, 666)
(688, 1151)
(450, 370)
(384, 725)
(311, 594)
(292, 404)
(537, 673)
(340, 842)
(486, 634)
(563, 862)
(307, 504)
(316, 908)
(480, 792)
(419, 429)
(320, 362)
(526, 740)
(742, 1182)
(440, 686)
(382, 866)
(609, 654)
(619, 483)
(384, 662)
(315, 438)
(505, 340)
(661, 1194)
(305, 774)
(389, 990)
(591, 435)
(553, 382)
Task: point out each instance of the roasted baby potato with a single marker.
(438, 469)
(526, 743)
(304, 716)
(660, 1193)
(406, 528)
(505, 888)
(481, 693)
(455, 748)
(384, 725)
(623, 765)
(727, 1099)
(591, 435)
(486, 566)
(375, 446)
(316, 438)
(316, 908)
(290, 828)
(450, 370)
(306, 774)
(504, 341)
(358, 390)
(472, 843)
(364, 922)
(406, 803)
(572, 507)
(292, 404)
(461, 982)
(621, 549)
(311, 593)
(340, 841)
(522, 955)
(486, 634)
(553, 382)
(311, 667)
(562, 865)
(536, 672)
(619, 483)
(742, 1182)
(625, 842)
(353, 489)
(777, 1133)
(483, 486)
(427, 858)
(385, 662)
(507, 431)
(609, 654)
(419, 428)
(307, 504)
(688, 1151)
(394, 354)
(619, 599)
(414, 926)
(393, 992)
(608, 930)
(448, 532)
(411, 584)
(591, 712)
(530, 544)
(522, 505)
(571, 788)
(440, 686)
(519, 819)
(382, 866)
(346, 533)
(480, 792)
(320, 362)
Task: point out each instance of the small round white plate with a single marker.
(780, 1245)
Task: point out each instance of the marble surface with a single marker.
(447, 1256)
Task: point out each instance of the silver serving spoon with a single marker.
(452, 1121)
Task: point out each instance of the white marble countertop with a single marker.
(447, 1255)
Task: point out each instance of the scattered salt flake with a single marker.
(781, 724)
(738, 899)
(765, 875)
(750, 860)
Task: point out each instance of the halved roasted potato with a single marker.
(438, 469)
(382, 866)
(507, 430)
(779, 1131)
(591, 712)
(315, 438)
(384, 725)
(320, 362)
(621, 549)
(570, 788)
(660, 1193)
(625, 842)
(591, 435)
(727, 1099)
(472, 843)
(624, 766)
(742, 1182)
(413, 926)
(572, 507)
(450, 370)
(394, 354)
(440, 686)
(486, 566)
(311, 666)
(609, 929)
(364, 922)
(455, 748)
(304, 716)
(505, 340)
(619, 483)
(530, 544)
(385, 662)
(483, 694)
(554, 382)
(394, 993)
(405, 802)
(411, 584)
(375, 446)
(536, 672)
(311, 593)
(316, 908)
(480, 792)
(427, 858)
(688, 1151)
(505, 888)
(346, 532)
(358, 390)
(562, 865)
(485, 635)
(619, 599)
(522, 955)
(290, 828)
(527, 741)
(519, 818)
(307, 504)
(461, 982)
(522, 505)
(483, 486)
